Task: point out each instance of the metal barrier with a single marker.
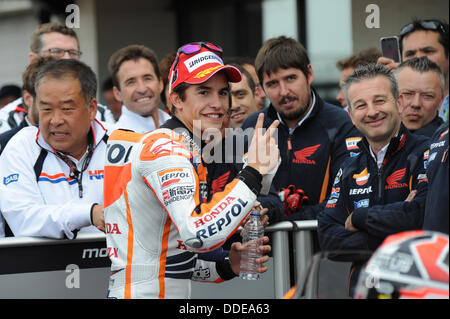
(303, 250)
(48, 268)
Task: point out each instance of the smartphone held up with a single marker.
(390, 48)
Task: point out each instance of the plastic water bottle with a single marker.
(252, 238)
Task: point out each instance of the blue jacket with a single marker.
(376, 197)
(313, 153)
(436, 208)
(429, 129)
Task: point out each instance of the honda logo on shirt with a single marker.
(97, 174)
(301, 156)
(393, 180)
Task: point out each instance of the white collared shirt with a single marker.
(137, 123)
(49, 205)
(379, 158)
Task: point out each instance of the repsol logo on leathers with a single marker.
(225, 220)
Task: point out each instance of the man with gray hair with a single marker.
(52, 175)
(382, 190)
(421, 86)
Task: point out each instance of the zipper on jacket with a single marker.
(288, 156)
(380, 184)
(289, 146)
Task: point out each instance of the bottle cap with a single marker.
(255, 212)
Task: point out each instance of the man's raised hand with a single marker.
(263, 152)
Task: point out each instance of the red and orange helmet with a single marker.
(411, 264)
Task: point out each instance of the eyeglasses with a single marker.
(427, 25)
(192, 48)
(57, 52)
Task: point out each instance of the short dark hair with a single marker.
(281, 52)
(31, 72)
(164, 69)
(370, 71)
(366, 56)
(250, 82)
(418, 24)
(422, 65)
(70, 68)
(132, 52)
(239, 60)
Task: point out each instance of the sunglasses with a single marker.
(427, 25)
(195, 47)
(192, 48)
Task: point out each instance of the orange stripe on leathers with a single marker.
(128, 136)
(164, 247)
(129, 249)
(116, 179)
(163, 258)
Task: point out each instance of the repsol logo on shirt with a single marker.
(359, 191)
(225, 220)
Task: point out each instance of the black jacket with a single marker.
(376, 197)
(429, 129)
(313, 153)
(437, 203)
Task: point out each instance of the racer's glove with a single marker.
(293, 199)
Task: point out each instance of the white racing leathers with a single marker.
(157, 218)
(37, 195)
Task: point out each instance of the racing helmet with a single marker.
(407, 265)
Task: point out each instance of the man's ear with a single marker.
(161, 86)
(350, 114)
(27, 99)
(310, 77)
(31, 56)
(117, 95)
(176, 101)
(93, 109)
